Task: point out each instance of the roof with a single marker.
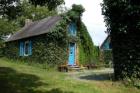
(107, 38)
(36, 28)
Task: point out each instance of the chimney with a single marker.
(28, 22)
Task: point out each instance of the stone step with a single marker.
(74, 69)
(66, 68)
(73, 66)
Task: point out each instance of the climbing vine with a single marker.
(86, 46)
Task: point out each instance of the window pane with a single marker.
(26, 48)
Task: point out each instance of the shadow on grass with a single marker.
(57, 90)
(98, 77)
(14, 82)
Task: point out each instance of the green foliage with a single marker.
(131, 80)
(52, 47)
(9, 10)
(107, 56)
(96, 52)
(73, 38)
(122, 19)
(11, 50)
(51, 4)
(31, 12)
(75, 13)
(6, 27)
(78, 8)
(86, 46)
(121, 15)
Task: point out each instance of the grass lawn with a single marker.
(17, 77)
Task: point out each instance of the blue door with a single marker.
(71, 54)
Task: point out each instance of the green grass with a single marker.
(18, 77)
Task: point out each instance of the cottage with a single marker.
(49, 40)
(34, 30)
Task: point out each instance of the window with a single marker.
(25, 48)
(72, 29)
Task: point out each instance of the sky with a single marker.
(92, 18)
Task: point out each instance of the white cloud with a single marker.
(92, 18)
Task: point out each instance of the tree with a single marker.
(29, 11)
(76, 12)
(51, 4)
(10, 8)
(122, 19)
(6, 27)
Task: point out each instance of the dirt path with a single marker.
(92, 75)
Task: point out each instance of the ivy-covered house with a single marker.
(106, 50)
(51, 40)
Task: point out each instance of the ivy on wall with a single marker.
(106, 56)
(86, 46)
(53, 46)
(11, 50)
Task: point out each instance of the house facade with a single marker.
(38, 41)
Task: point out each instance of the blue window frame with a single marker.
(25, 48)
(72, 29)
(21, 50)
